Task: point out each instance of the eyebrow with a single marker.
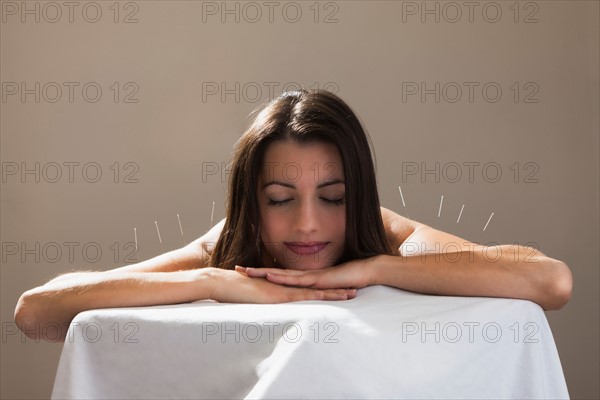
(292, 186)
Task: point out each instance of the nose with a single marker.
(307, 219)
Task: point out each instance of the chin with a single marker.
(308, 265)
(306, 262)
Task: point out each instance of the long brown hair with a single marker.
(302, 116)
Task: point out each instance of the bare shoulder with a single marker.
(192, 256)
(413, 237)
(397, 227)
(205, 244)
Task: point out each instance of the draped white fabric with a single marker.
(385, 343)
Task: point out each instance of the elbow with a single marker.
(28, 320)
(559, 286)
(25, 316)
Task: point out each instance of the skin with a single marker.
(301, 198)
(182, 275)
(466, 269)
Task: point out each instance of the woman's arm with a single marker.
(179, 276)
(435, 262)
(498, 271)
(60, 300)
(165, 279)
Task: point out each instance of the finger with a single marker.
(283, 279)
(257, 272)
(339, 294)
(303, 281)
(262, 272)
(330, 295)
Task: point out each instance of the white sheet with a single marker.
(385, 343)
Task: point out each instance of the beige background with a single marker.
(371, 54)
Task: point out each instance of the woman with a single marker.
(303, 223)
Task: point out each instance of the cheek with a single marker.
(272, 226)
(337, 223)
(341, 224)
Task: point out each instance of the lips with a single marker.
(306, 247)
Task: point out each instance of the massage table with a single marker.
(384, 343)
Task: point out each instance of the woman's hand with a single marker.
(352, 274)
(239, 287)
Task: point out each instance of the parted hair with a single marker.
(302, 116)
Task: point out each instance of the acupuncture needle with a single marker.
(135, 235)
(212, 214)
(181, 230)
(461, 210)
(403, 204)
(159, 239)
(489, 219)
(440, 211)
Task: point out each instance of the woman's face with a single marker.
(302, 204)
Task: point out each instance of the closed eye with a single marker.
(277, 203)
(333, 202)
(336, 202)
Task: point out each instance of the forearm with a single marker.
(498, 271)
(59, 301)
